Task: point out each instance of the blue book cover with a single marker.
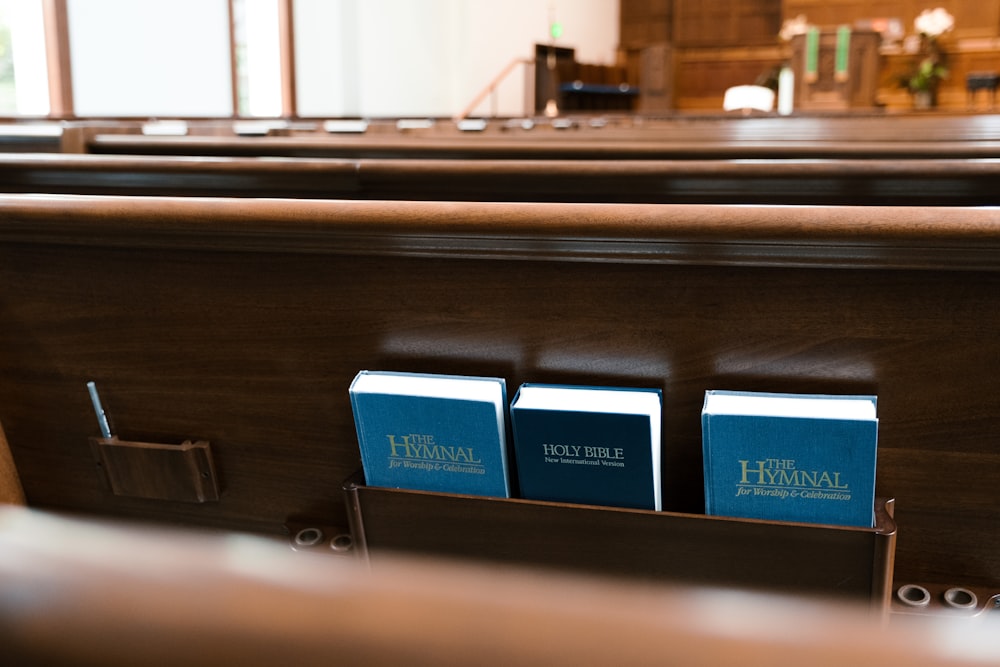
(430, 432)
(790, 457)
(589, 445)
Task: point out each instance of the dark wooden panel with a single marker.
(242, 323)
(645, 22)
(850, 564)
(867, 182)
(179, 175)
(726, 22)
(704, 74)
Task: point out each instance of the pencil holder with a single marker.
(160, 471)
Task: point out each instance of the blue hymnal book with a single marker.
(590, 445)
(432, 432)
(790, 457)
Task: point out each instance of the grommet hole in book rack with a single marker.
(913, 595)
(308, 537)
(314, 538)
(944, 599)
(960, 598)
(342, 542)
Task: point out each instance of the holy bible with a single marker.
(588, 445)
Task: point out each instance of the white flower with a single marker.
(796, 26)
(934, 22)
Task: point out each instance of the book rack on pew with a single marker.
(832, 561)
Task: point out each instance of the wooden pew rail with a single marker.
(97, 593)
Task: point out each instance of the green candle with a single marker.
(812, 53)
(843, 49)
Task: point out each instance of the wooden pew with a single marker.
(715, 137)
(532, 148)
(829, 127)
(241, 323)
(948, 182)
(31, 137)
(92, 593)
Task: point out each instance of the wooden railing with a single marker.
(84, 593)
(491, 88)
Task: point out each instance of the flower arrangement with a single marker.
(930, 69)
(934, 22)
(792, 27)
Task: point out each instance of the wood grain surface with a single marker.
(242, 322)
(844, 181)
(95, 593)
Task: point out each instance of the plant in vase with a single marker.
(928, 72)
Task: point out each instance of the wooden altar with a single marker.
(836, 68)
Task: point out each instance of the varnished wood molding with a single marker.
(824, 236)
(123, 595)
(596, 148)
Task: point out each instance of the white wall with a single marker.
(142, 58)
(375, 58)
(407, 57)
(263, 55)
(325, 42)
(368, 58)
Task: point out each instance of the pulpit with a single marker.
(835, 68)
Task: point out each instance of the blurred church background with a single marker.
(442, 58)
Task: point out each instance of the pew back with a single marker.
(242, 322)
(946, 182)
(639, 147)
(869, 136)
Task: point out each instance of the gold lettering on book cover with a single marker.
(781, 478)
(421, 451)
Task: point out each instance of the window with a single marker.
(157, 59)
(257, 57)
(23, 75)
